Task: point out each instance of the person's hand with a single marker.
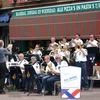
(9, 47)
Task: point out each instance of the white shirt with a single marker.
(80, 56)
(21, 63)
(67, 43)
(52, 44)
(59, 64)
(36, 67)
(77, 41)
(93, 42)
(67, 57)
(38, 52)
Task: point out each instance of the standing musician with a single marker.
(80, 59)
(3, 52)
(52, 43)
(64, 42)
(92, 47)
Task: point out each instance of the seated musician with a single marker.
(92, 48)
(64, 42)
(49, 82)
(50, 65)
(52, 44)
(76, 40)
(37, 50)
(36, 67)
(65, 53)
(55, 51)
(22, 61)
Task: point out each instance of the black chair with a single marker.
(29, 76)
(15, 76)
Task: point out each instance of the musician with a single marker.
(22, 61)
(80, 59)
(65, 53)
(64, 42)
(52, 44)
(49, 82)
(37, 50)
(36, 67)
(92, 47)
(76, 40)
(3, 52)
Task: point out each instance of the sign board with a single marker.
(70, 81)
(65, 8)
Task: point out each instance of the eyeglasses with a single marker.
(91, 37)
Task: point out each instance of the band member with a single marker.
(65, 53)
(64, 42)
(76, 40)
(52, 44)
(22, 61)
(80, 59)
(92, 47)
(49, 82)
(37, 50)
(3, 52)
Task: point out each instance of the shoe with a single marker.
(2, 92)
(48, 93)
(86, 89)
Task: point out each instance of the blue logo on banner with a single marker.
(5, 18)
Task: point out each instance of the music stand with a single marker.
(29, 73)
(15, 74)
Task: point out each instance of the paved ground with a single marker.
(85, 95)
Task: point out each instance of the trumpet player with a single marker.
(92, 48)
(64, 42)
(80, 60)
(76, 40)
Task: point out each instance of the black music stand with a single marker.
(15, 75)
(29, 73)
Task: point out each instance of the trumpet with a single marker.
(61, 42)
(50, 67)
(31, 50)
(98, 39)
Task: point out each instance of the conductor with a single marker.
(3, 53)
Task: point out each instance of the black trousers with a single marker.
(3, 70)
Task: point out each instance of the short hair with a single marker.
(78, 34)
(56, 45)
(53, 38)
(65, 38)
(33, 58)
(59, 56)
(47, 56)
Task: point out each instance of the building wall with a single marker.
(5, 3)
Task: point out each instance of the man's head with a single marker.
(77, 36)
(33, 59)
(58, 58)
(1, 43)
(92, 37)
(37, 47)
(53, 39)
(21, 56)
(47, 58)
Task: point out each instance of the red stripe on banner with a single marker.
(76, 92)
(75, 23)
(61, 31)
(52, 26)
(67, 27)
(87, 24)
(92, 18)
(81, 25)
(43, 28)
